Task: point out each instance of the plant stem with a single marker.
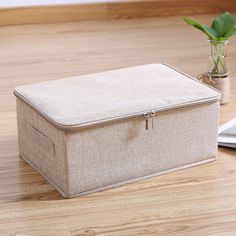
(219, 66)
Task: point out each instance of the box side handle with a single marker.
(46, 144)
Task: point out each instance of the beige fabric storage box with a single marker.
(98, 131)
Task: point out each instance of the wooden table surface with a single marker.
(196, 201)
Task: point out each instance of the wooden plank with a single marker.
(156, 8)
(113, 10)
(51, 14)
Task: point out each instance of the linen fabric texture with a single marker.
(88, 158)
(88, 98)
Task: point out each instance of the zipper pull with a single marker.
(149, 116)
(152, 114)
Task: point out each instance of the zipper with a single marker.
(117, 118)
(149, 119)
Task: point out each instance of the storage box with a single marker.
(98, 131)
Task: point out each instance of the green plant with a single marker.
(222, 28)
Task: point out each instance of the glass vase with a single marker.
(217, 75)
(217, 59)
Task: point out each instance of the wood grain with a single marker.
(195, 201)
(113, 10)
(52, 14)
(154, 8)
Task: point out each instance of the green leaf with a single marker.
(211, 33)
(223, 23)
(218, 25)
(230, 33)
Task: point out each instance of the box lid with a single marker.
(111, 95)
